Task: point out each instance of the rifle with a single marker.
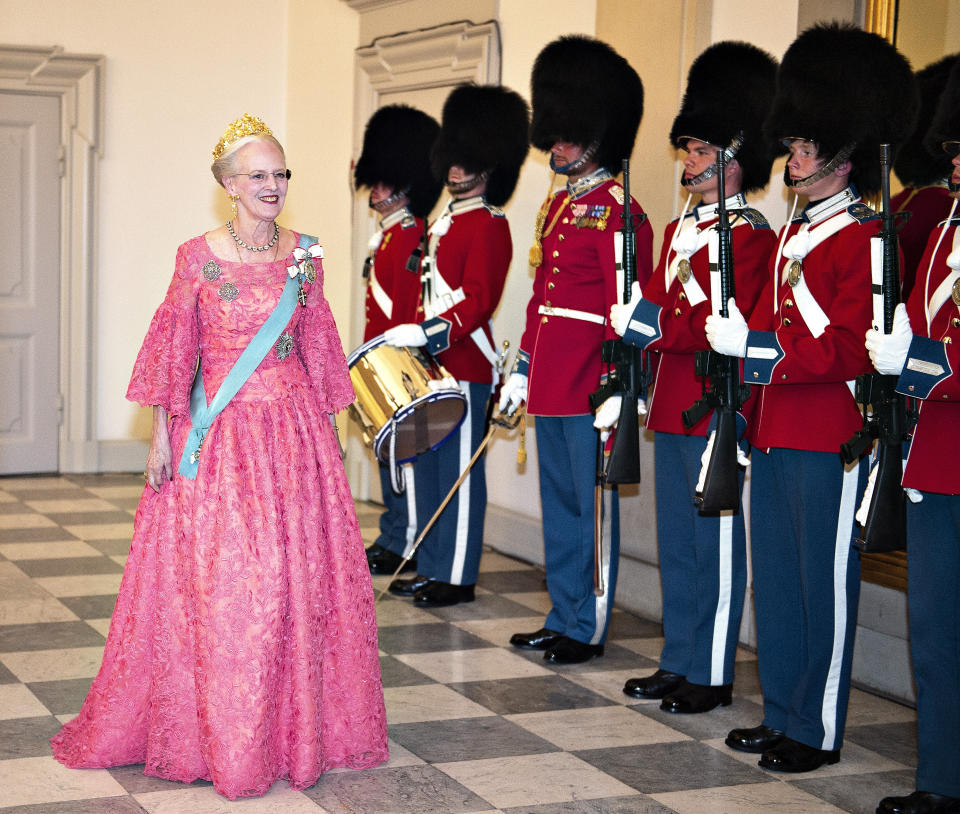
(720, 376)
(893, 415)
(623, 465)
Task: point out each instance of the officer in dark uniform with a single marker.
(395, 166)
(703, 559)
(587, 104)
(924, 350)
(924, 175)
(841, 92)
(481, 147)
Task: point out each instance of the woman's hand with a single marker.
(160, 456)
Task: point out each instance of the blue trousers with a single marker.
(398, 526)
(806, 585)
(703, 568)
(451, 551)
(933, 574)
(566, 449)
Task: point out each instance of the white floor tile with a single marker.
(59, 549)
(756, 798)
(36, 780)
(596, 728)
(481, 664)
(428, 702)
(53, 665)
(102, 531)
(281, 799)
(81, 585)
(16, 701)
(30, 610)
(90, 504)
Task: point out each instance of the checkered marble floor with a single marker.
(475, 725)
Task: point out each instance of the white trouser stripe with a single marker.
(601, 603)
(411, 489)
(841, 556)
(463, 495)
(721, 619)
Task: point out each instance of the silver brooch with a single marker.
(211, 270)
(310, 271)
(228, 292)
(284, 345)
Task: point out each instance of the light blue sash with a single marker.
(202, 415)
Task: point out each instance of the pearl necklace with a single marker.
(263, 248)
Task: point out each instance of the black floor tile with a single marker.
(858, 793)
(896, 741)
(513, 582)
(534, 694)
(422, 789)
(48, 636)
(706, 725)
(69, 566)
(46, 534)
(15, 507)
(468, 739)
(679, 766)
(64, 697)
(638, 804)
(91, 607)
(6, 677)
(627, 626)
(427, 638)
(135, 781)
(394, 673)
(27, 737)
(98, 481)
(90, 518)
(485, 606)
(99, 805)
(112, 548)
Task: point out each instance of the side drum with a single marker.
(405, 400)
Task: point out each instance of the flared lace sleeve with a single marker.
(322, 351)
(166, 363)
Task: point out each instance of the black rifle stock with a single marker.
(722, 389)
(623, 465)
(889, 423)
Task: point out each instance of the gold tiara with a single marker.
(246, 125)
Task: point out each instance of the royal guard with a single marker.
(924, 350)
(478, 154)
(701, 555)
(924, 175)
(801, 350)
(587, 105)
(395, 166)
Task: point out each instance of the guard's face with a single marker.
(804, 159)
(379, 192)
(565, 152)
(955, 175)
(700, 156)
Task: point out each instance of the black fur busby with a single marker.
(396, 152)
(838, 85)
(484, 129)
(915, 165)
(584, 91)
(729, 91)
(946, 120)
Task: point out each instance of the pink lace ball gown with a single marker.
(243, 646)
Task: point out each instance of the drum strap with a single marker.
(201, 414)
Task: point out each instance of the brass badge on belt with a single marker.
(793, 273)
(683, 270)
(955, 294)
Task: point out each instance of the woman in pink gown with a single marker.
(243, 646)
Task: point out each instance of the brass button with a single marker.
(556, 270)
(551, 285)
(682, 296)
(944, 397)
(547, 303)
(788, 303)
(677, 312)
(543, 320)
(784, 376)
(947, 340)
(556, 253)
(561, 237)
(756, 375)
(786, 320)
(956, 322)
(565, 220)
(910, 388)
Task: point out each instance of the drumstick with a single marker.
(500, 420)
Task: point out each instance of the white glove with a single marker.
(620, 314)
(742, 459)
(513, 393)
(407, 335)
(607, 416)
(728, 335)
(888, 352)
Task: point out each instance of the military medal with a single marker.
(310, 271)
(955, 294)
(683, 270)
(793, 273)
(302, 296)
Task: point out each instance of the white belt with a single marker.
(571, 313)
(379, 295)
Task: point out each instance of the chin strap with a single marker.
(842, 155)
(729, 152)
(578, 163)
(460, 187)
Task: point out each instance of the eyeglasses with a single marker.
(280, 176)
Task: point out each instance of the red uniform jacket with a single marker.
(400, 234)
(472, 256)
(806, 402)
(676, 386)
(931, 372)
(578, 272)
(928, 206)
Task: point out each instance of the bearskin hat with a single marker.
(484, 129)
(840, 85)
(396, 152)
(584, 91)
(946, 120)
(729, 92)
(915, 166)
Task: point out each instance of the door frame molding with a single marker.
(77, 80)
